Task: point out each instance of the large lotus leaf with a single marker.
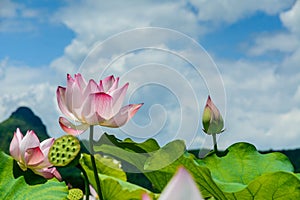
(18, 185)
(165, 155)
(135, 159)
(113, 188)
(105, 165)
(241, 164)
(201, 174)
(127, 150)
(277, 185)
(240, 172)
(151, 159)
(149, 145)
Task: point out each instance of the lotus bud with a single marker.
(212, 119)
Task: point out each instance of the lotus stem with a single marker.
(86, 184)
(215, 142)
(94, 163)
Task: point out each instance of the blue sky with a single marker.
(254, 44)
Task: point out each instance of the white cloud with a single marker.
(262, 103)
(32, 87)
(287, 42)
(231, 11)
(99, 20)
(291, 18)
(262, 107)
(250, 86)
(3, 64)
(17, 17)
(8, 9)
(281, 42)
(95, 21)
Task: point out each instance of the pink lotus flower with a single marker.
(181, 186)
(93, 104)
(212, 119)
(31, 154)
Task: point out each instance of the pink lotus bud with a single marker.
(212, 119)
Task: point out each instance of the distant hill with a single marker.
(24, 119)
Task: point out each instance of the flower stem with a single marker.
(215, 142)
(86, 184)
(94, 163)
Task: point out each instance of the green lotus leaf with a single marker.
(113, 188)
(241, 164)
(165, 155)
(240, 172)
(105, 165)
(127, 150)
(277, 185)
(18, 185)
(201, 174)
(149, 145)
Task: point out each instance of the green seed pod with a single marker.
(75, 194)
(64, 150)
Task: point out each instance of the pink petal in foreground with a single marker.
(145, 196)
(14, 147)
(93, 192)
(125, 114)
(72, 129)
(180, 187)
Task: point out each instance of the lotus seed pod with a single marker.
(64, 150)
(75, 194)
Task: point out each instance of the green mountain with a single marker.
(24, 119)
